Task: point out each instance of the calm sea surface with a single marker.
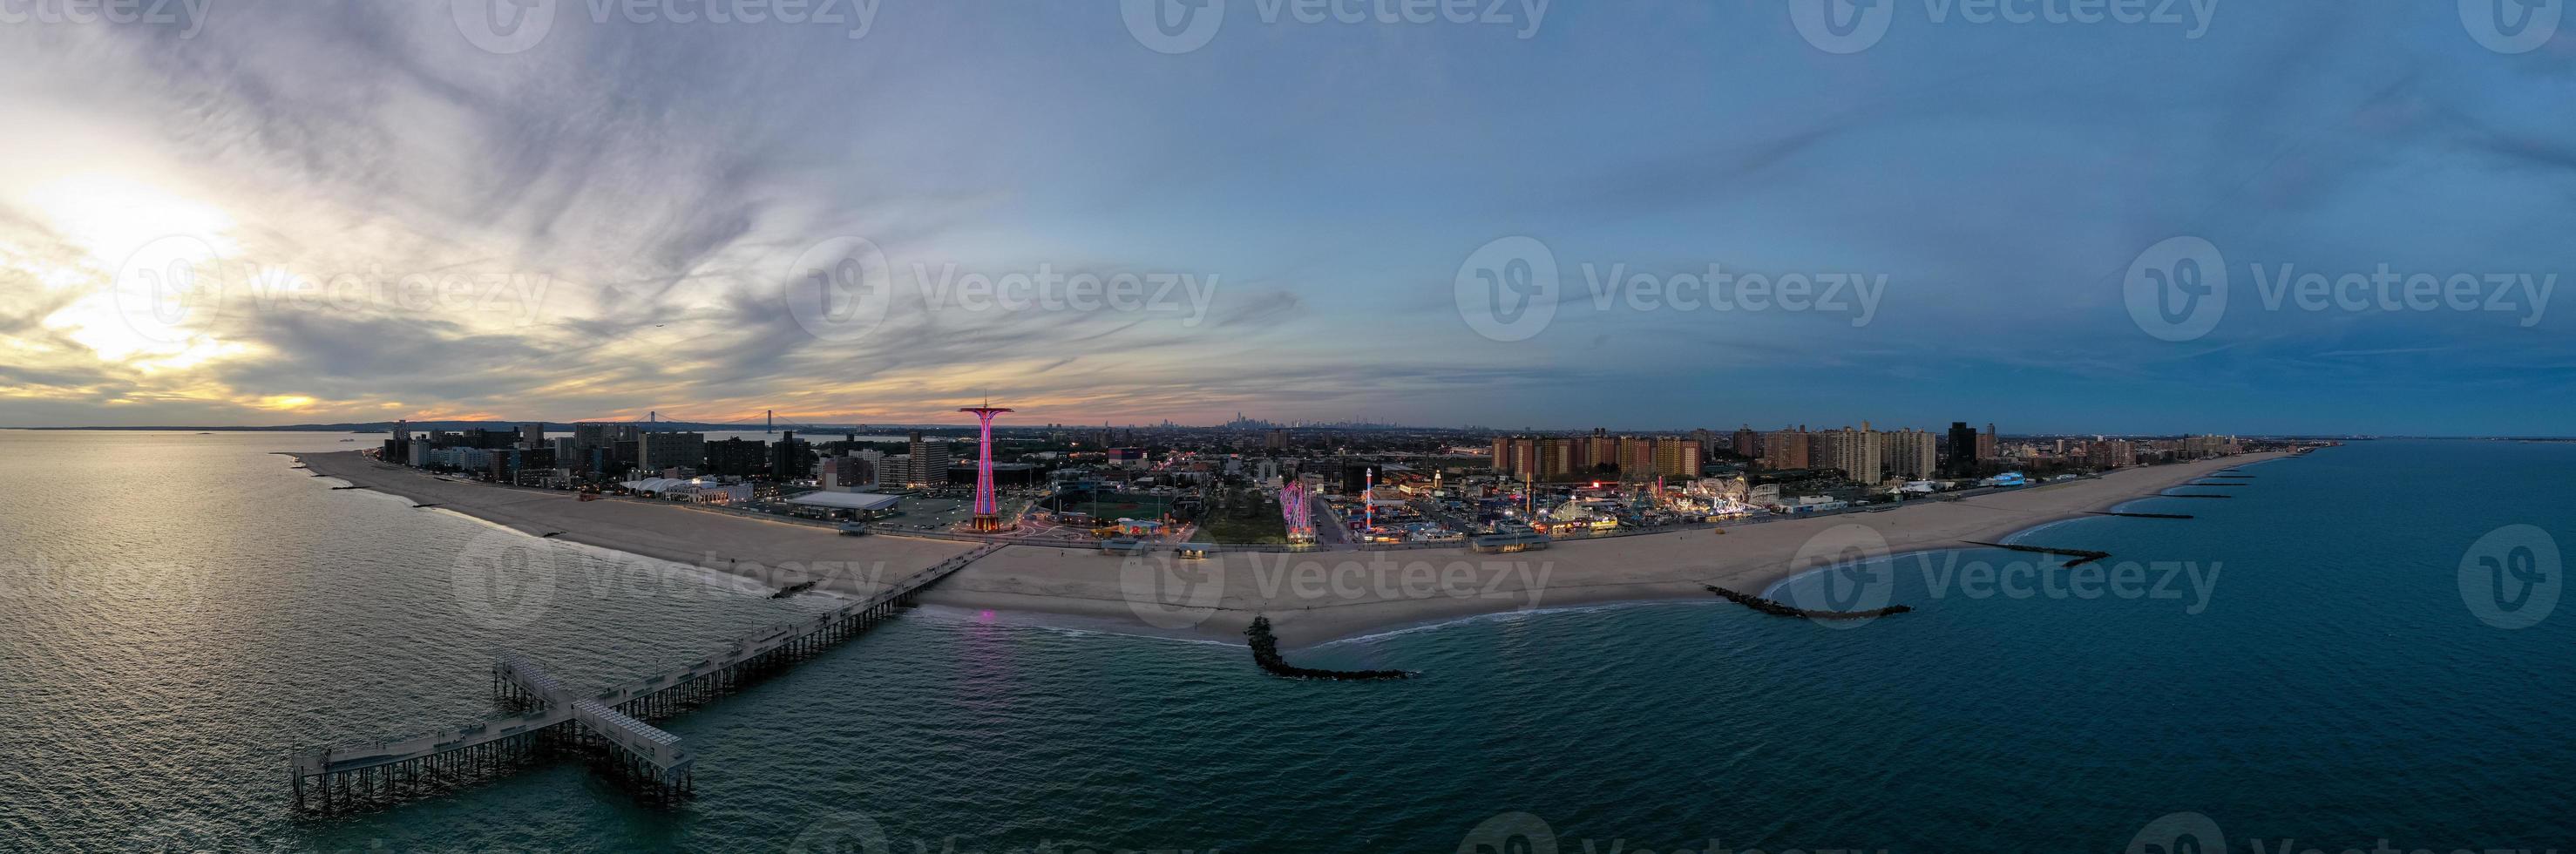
(2300, 662)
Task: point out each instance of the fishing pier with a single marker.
(608, 727)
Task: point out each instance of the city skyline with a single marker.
(1290, 219)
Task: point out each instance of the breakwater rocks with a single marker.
(2143, 515)
(2081, 556)
(2192, 495)
(1779, 610)
(792, 589)
(1265, 652)
(338, 488)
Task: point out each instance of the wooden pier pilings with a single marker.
(608, 728)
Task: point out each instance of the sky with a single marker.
(2228, 216)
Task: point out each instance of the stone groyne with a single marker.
(1265, 652)
(1779, 610)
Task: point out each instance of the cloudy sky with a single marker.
(1635, 215)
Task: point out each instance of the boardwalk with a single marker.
(607, 727)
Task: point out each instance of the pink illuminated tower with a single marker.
(988, 507)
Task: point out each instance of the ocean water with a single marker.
(179, 611)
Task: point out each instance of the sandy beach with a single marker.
(1310, 598)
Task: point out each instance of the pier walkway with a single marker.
(608, 726)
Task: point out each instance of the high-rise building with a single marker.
(1636, 457)
(737, 457)
(1678, 457)
(533, 435)
(1910, 454)
(1963, 450)
(1555, 457)
(1786, 449)
(1748, 444)
(1503, 455)
(1598, 452)
(1855, 453)
(2112, 453)
(1987, 443)
(787, 458)
(661, 451)
(851, 473)
(929, 461)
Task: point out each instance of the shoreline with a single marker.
(1311, 598)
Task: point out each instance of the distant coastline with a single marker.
(1352, 594)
